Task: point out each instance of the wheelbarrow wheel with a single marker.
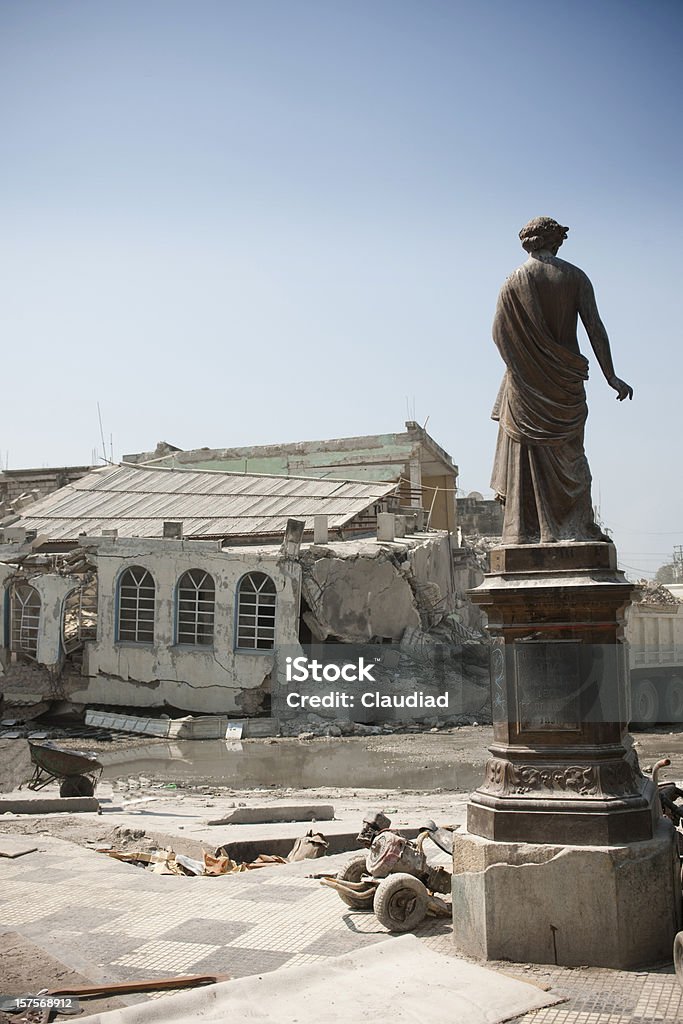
(77, 785)
(401, 902)
(678, 957)
(352, 871)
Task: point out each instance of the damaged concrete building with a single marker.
(424, 473)
(19, 488)
(145, 587)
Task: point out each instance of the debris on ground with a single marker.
(168, 862)
(308, 847)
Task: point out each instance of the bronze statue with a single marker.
(540, 471)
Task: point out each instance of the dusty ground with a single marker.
(19, 957)
(144, 825)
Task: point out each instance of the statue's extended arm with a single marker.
(597, 335)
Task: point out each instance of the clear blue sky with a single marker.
(245, 222)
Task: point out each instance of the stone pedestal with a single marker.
(612, 906)
(562, 767)
(566, 858)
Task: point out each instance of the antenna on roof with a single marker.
(104, 445)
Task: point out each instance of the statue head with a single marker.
(542, 233)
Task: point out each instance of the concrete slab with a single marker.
(280, 812)
(12, 847)
(49, 805)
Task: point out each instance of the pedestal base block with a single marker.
(610, 906)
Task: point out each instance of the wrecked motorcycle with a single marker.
(669, 794)
(394, 878)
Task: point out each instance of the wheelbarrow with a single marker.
(77, 772)
(394, 878)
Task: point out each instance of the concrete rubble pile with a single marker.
(655, 594)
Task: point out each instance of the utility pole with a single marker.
(678, 563)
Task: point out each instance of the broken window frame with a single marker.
(24, 623)
(79, 623)
(136, 606)
(195, 609)
(255, 613)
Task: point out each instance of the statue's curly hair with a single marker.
(542, 232)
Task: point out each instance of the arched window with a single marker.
(256, 612)
(136, 606)
(24, 619)
(196, 601)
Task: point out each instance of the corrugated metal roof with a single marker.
(137, 502)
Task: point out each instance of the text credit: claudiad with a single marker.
(349, 678)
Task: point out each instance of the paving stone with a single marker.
(336, 943)
(207, 929)
(268, 894)
(240, 961)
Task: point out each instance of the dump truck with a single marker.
(654, 631)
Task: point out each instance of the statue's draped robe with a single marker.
(540, 470)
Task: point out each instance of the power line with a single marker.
(651, 533)
(655, 554)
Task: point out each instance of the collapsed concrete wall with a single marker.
(469, 565)
(363, 590)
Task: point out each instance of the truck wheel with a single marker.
(401, 902)
(644, 703)
(673, 699)
(352, 871)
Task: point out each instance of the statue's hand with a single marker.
(622, 389)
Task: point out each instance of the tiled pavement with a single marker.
(111, 921)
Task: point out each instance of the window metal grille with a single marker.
(24, 619)
(256, 612)
(196, 597)
(136, 606)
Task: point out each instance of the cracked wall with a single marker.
(209, 680)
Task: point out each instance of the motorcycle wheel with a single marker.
(352, 871)
(401, 902)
